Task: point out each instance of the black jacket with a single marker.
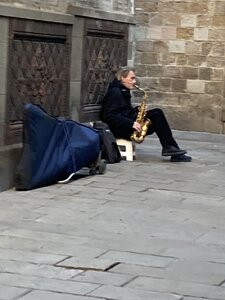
(117, 110)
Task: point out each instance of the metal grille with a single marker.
(39, 66)
(105, 51)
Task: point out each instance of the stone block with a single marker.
(177, 46)
(149, 58)
(104, 278)
(219, 8)
(4, 29)
(184, 7)
(205, 73)
(142, 19)
(195, 86)
(218, 21)
(4, 54)
(122, 293)
(217, 74)
(184, 33)
(193, 7)
(172, 19)
(9, 157)
(140, 33)
(164, 84)
(215, 61)
(76, 59)
(218, 49)
(144, 46)
(168, 33)
(201, 34)
(184, 288)
(189, 72)
(147, 6)
(78, 28)
(168, 58)
(154, 33)
(214, 88)
(3, 79)
(188, 20)
(197, 60)
(139, 258)
(45, 295)
(155, 19)
(60, 286)
(203, 20)
(154, 71)
(206, 48)
(217, 35)
(10, 292)
(172, 72)
(193, 47)
(160, 46)
(181, 59)
(141, 70)
(179, 85)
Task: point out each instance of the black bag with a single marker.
(110, 150)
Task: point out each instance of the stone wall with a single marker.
(45, 22)
(124, 6)
(180, 59)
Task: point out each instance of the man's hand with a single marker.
(137, 126)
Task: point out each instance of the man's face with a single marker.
(129, 81)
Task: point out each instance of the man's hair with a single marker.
(123, 72)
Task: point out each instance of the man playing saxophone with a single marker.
(123, 119)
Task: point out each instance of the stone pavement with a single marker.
(145, 230)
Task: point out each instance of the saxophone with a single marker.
(137, 136)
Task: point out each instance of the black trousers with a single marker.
(161, 127)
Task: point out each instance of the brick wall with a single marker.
(180, 58)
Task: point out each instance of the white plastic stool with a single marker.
(127, 149)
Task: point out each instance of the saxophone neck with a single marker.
(138, 88)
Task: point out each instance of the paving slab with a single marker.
(145, 230)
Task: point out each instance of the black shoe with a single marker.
(181, 158)
(171, 150)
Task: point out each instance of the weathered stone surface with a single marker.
(172, 72)
(179, 85)
(198, 48)
(147, 6)
(149, 58)
(205, 73)
(219, 7)
(218, 21)
(189, 72)
(196, 60)
(214, 88)
(188, 20)
(172, 40)
(216, 35)
(144, 46)
(195, 86)
(201, 34)
(185, 33)
(61, 6)
(177, 46)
